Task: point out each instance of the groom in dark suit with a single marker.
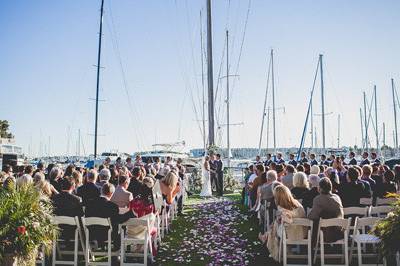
(213, 172)
(220, 175)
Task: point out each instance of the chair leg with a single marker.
(53, 257)
(359, 254)
(145, 252)
(309, 259)
(284, 253)
(346, 248)
(76, 248)
(322, 248)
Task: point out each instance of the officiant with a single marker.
(219, 175)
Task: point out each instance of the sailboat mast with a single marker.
(376, 120)
(362, 129)
(322, 102)
(227, 100)
(365, 121)
(312, 126)
(98, 80)
(202, 86)
(273, 99)
(210, 78)
(338, 132)
(264, 110)
(396, 143)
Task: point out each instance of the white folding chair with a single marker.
(70, 221)
(301, 242)
(366, 201)
(264, 213)
(380, 211)
(143, 239)
(354, 212)
(90, 258)
(334, 222)
(160, 213)
(361, 236)
(384, 201)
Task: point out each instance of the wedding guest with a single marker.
(366, 176)
(258, 181)
(129, 163)
(24, 180)
(258, 160)
(268, 160)
(136, 182)
(43, 186)
(364, 159)
(300, 185)
(352, 191)
(303, 158)
(312, 159)
(279, 159)
(309, 195)
(292, 161)
(56, 178)
(68, 171)
(326, 206)
(104, 207)
(104, 177)
(374, 158)
(387, 186)
(353, 160)
(288, 209)
(324, 161)
(122, 196)
(89, 190)
(287, 180)
(65, 203)
(169, 186)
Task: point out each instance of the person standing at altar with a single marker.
(220, 175)
(213, 172)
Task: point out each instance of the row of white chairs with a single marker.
(164, 215)
(379, 201)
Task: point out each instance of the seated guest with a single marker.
(326, 206)
(43, 186)
(366, 176)
(89, 190)
(136, 182)
(309, 195)
(321, 170)
(352, 191)
(121, 196)
(258, 181)
(288, 208)
(103, 207)
(65, 203)
(280, 170)
(56, 178)
(68, 171)
(334, 178)
(104, 177)
(24, 180)
(300, 168)
(169, 186)
(266, 190)
(388, 185)
(307, 168)
(376, 175)
(77, 177)
(300, 185)
(287, 180)
(314, 170)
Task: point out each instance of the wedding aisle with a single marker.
(213, 231)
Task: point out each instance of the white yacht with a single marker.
(10, 150)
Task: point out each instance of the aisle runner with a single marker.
(215, 237)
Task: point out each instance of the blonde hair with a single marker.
(43, 187)
(77, 177)
(284, 198)
(300, 180)
(171, 180)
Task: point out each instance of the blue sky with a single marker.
(48, 49)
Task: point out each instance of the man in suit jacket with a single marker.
(220, 175)
(326, 206)
(104, 208)
(213, 172)
(67, 204)
(365, 159)
(292, 161)
(121, 196)
(353, 160)
(89, 190)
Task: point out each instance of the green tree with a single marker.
(4, 127)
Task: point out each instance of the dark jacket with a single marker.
(309, 197)
(66, 204)
(350, 193)
(299, 192)
(88, 192)
(103, 208)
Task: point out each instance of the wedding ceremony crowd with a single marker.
(280, 191)
(117, 191)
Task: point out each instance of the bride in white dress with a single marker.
(206, 189)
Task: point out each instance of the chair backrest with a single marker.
(89, 221)
(384, 201)
(380, 211)
(342, 222)
(123, 210)
(355, 211)
(365, 223)
(65, 220)
(302, 222)
(157, 196)
(366, 201)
